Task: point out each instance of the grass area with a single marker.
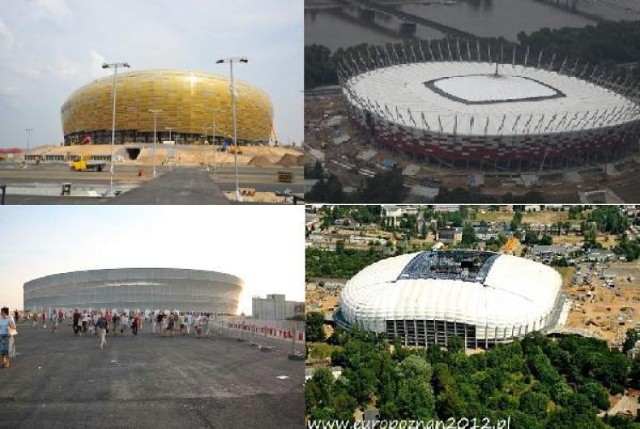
(545, 217)
(608, 242)
(494, 216)
(320, 350)
(568, 239)
(528, 217)
(567, 274)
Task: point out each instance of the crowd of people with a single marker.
(125, 323)
(118, 323)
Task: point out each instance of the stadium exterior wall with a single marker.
(191, 103)
(136, 288)
(525, 152)
(515, 296)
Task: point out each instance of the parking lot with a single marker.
(59, 380)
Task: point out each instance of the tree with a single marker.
(534, 404)
(546, 240)
(415, 398)
(315, 327)
(329, 191)
(634, 373)
(596, 394)
(318, 390)
(516, 221)
(468, 236)
(319, 66)
(455, 344)
(386, 187)
(632, 337)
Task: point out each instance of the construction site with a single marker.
(344, 151)
(266, 174)
(605, 300)
(144, 154)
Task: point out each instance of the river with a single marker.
(335, 25)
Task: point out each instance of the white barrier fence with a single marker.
(288, 331)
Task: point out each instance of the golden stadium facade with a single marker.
(192, 103)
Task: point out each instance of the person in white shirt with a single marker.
(124, 323)
(6, 324)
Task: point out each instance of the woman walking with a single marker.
(6, 323)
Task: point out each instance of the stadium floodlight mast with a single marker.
(232, 89)
(113, 115)
(155, 139)
(213, 134)
(28, 130)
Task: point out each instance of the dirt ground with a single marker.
(184, 154)
(606, 311)
(321, 135)
(257, 197)
(528, 217)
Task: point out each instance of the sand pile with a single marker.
(258, 197)
(289, 160)
(260, 161)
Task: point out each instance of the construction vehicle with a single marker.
(86, 163)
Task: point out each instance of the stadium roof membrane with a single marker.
(468, 98)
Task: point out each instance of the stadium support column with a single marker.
(466, 336)
(486, 337)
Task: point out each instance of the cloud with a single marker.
(55, 8)
(8, 90)
(66, 69)
(7, 39)
(95, 69)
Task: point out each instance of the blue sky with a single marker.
(263, 245)
(50, 48)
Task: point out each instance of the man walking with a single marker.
(101, 326)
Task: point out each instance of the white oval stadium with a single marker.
(136, 288)
(469, 107)
(426, 297)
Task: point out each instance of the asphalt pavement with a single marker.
(186, 185)
(62, 381)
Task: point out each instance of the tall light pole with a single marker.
(155, 139)
(213, 135)
(232, 89)
(113, 115)
(28, 130)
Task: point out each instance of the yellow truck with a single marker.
(86, 163)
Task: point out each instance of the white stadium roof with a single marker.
(467, 97)
(507, 292)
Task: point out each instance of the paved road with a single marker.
(60, 381)
(186, 185)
